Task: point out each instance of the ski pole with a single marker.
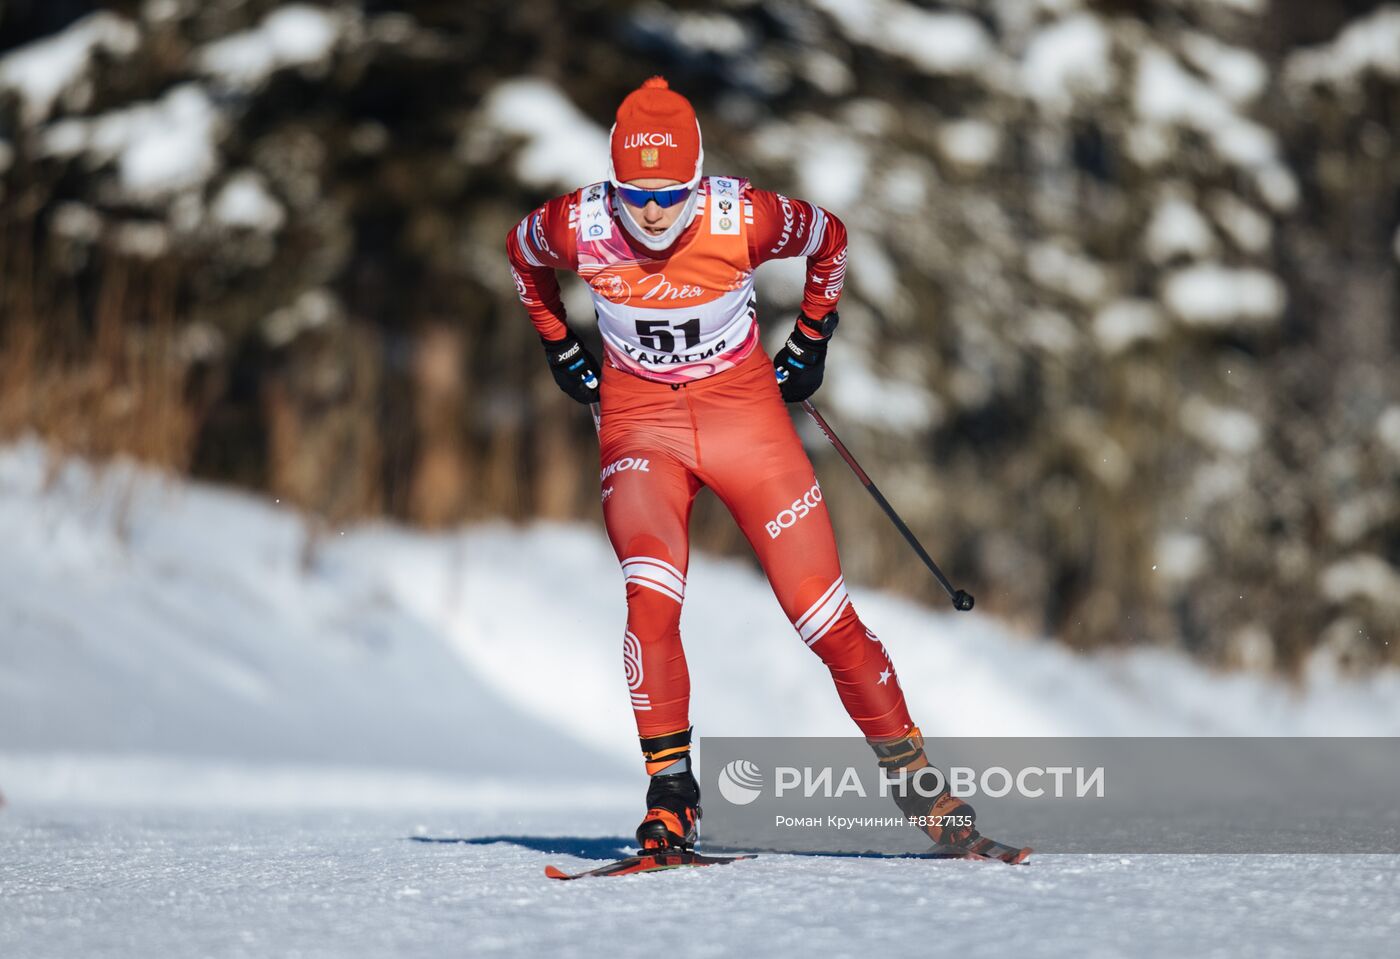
(597, 417)
(962, 600)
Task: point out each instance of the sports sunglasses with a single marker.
(668, 197)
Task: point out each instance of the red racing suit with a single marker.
(689, 399)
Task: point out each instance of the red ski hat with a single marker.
(656, 135)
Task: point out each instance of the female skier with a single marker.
(690, 399)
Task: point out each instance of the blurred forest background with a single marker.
(1121, 336)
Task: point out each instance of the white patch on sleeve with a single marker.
(818, 234)
(523, 241)
(725, 211)
(594, 220)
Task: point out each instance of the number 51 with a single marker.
(656, 335)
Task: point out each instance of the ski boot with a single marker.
(949, 822)
(673, 797)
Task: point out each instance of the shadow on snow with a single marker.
(620, 847)
(584, 847)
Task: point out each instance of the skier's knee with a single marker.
(652, 615)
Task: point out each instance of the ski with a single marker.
(980, 849)
(647, 862)
(988, 850)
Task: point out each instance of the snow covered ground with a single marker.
(216, 739)
(99, 883)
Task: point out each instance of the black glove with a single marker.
(574, 368)
(802, 360)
